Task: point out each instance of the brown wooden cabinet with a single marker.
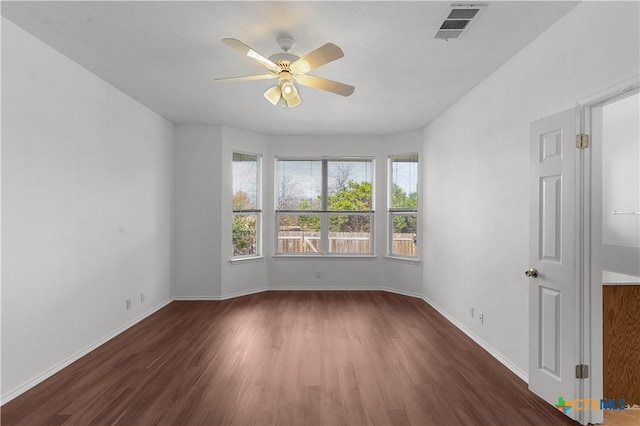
(621, 339)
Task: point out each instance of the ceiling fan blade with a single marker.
(246, 50)
(295, 101)
(273, 94)
(322, 55)
(325, 84)
(248, 77)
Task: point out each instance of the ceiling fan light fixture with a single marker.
(273, 94)
(290, 94)
(288, 90)
(294, 101)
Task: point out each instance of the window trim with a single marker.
(391, 211)
(324, 212)
(253, 211)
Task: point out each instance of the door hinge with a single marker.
(582, 141)
(582, 371)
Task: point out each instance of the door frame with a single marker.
(590, 259)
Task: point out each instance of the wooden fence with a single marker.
(404, 244)
(298, 242)
(340, 242)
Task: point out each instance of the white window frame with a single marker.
(257, 212)
(402, 211)
(324, 213)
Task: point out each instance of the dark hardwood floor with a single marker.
(287, 358)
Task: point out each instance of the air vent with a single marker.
(468, 14)
(457, 21)
(448, 34)
(454, 24)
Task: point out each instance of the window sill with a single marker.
(246, 259)
(324, 257)
(413, 260)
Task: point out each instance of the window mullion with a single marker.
(325, 185)
(324, 232)
(324, 217)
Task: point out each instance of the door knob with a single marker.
(532, 273)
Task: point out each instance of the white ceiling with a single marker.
(167, 54)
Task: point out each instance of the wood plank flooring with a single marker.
(287, 358)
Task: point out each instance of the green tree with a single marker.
(309, 222)
(241, 201)
(404, 224)
(244, 225)
(401, 199)
(244, 234)
(354, 196)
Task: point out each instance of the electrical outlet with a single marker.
(317, 274)
(471, 311)
(141, 297)
(481, 317)
(128, 304)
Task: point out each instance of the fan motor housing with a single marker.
(283, 60)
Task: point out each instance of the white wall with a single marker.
(476, 163)
(86, 209)
(344, 273)
(202, 230)
(334, 273)
(196, 239)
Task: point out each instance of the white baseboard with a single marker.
(401, 292)
(68, 361)
(224, 296)
(187, 298)
(321, 288)
(243, 293)
(487, 347)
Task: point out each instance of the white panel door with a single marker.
(552, 309)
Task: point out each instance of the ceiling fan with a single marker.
(289, 68)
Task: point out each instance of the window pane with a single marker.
(404, 237)
(350, 233)
(349, 184)
(245, 181)
(341, 172)
(245, 234)
(299, 234)
(299, 185)
(404, 175)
